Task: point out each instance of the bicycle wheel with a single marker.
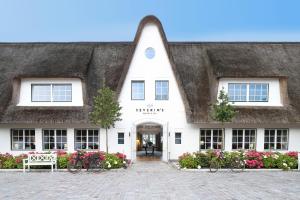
(214, 166)
(237, 165)
(96, 166)
(74, 167)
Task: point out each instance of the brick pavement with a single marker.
(150, 180)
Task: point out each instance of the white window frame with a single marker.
(248, 91)
(87, 139)
(275, 139)
(178, 139)
(65, 145)
(23, 140)
(121, 138)
(51, 90)
(211, 138)
(138, 81)
(160, 93)
(243, 141)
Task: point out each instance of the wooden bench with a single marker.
(39, 159)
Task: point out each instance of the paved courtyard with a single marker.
(150, 180)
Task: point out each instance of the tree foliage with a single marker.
(106, 110)
(223, 111)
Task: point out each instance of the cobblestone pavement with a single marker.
(150, 180)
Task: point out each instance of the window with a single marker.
(23, 139)
(137, 90)
(61, 92)
(177, 138)
(51, 92)
(237, 91)
(258, 92)
(243, 139)
(161, 90)
(252, 92)
(86, 139)
(150, 52)
(211, 139)
(148, 137)
(120, 138)
(41, 93)
(54, 139)
(276, 139)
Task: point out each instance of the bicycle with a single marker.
(236, 163)
(91, 163)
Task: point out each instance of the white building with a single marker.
(166, 90)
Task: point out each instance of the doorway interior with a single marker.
(149, 143)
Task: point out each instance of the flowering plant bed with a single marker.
(112, 161)
(252, 159)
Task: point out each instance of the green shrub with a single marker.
(9, 163)
(112, 161)
(189, 161)
(269, 161)
(286, 162)
(203, 159)
(62, 161)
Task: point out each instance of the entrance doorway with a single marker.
(149, 143)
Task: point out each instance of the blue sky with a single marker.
(117, 20)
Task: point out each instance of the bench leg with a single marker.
(51, 168)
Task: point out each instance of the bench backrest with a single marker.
(49, 157)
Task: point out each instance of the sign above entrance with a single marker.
(149, 109)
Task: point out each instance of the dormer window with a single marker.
(252, 92)
(51, 92)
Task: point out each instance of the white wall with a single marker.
(274, 90)
(149, 70)
(25, 91)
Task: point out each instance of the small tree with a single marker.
(223, 111)
(106, 110)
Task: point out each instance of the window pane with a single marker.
(62, 92)
(41, 93)
(177, 138)
(137, 90)
(120, 138)
(237, 91)
(258, 92)
(161, 90)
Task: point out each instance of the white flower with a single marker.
(284, 164)
(109, 166)
(116, 162)
(199, 167)
(107, 163)
(194, 155)
(124, 162)
(265, 156)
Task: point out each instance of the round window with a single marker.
(150, 52)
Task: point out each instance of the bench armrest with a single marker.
(25, 160)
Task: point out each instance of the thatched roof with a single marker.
(197, 66)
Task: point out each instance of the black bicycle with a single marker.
(236, 163)
(92, 163)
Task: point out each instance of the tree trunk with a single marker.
(106, 140)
